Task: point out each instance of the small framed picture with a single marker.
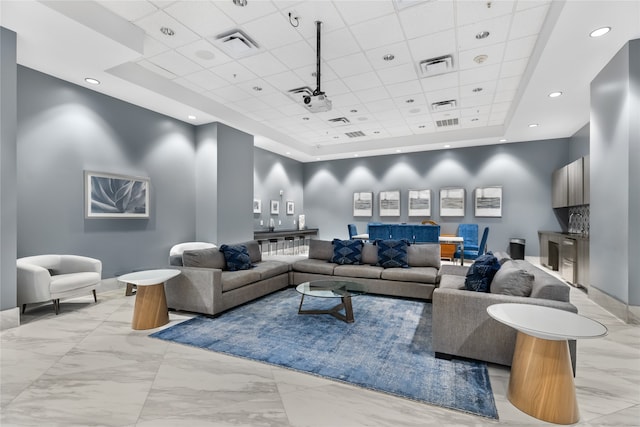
(363, 203)
(110, 195)
(275, 207)
(257, 206)
(452, 202)
(390, 203)
(291, 207)
(488, 201)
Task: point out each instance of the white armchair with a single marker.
(51, 277)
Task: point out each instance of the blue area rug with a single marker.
(387, 349)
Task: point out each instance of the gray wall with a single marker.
(271, 174)
(64, 129)
(8, 209)
(579, 144)
(615, 231)
(522, 169)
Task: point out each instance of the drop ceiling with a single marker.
(167, 56)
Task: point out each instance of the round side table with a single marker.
(150, 310)
(541, 381)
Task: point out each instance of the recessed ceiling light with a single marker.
(191, 117)
(421, 127)
(354, 111)
(205, 54)
(475, 119)
(534, 125)
(503, 140)
(305, 118)
(555, 94)
(414, 110)
(447, 146)
(409, 101)
(389, 57)
(482, 35)
(92, 81)
(167, 31)
(477, 89)
(241, 3)
(257, 88)
(376, 132)
(398, 151)
(481, 58)
(600, 32)
(336, 137)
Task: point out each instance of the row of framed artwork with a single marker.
(274, 207)
(487, 202)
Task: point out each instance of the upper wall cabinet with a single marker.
(570, 184)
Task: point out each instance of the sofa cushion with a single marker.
(481, 273)
(363, 271)
(204, 258)
(237, 257)
(347, 251)
(452, 281)
(392, 253)
(271, 268)
(237, 279)
(314, 266)
(253, 248)
(320, 249)
(424, 255)
(413, 274)
(369, 254)
(71, 281)
(512, 280)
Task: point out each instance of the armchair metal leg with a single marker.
(24, 307)
(95, 298)
(56, 305)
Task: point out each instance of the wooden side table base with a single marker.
(150, 310)
(541, 381)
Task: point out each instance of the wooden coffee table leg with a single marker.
(348, 310)
(541, 381)
(150, 310)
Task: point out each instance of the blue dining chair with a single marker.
(353, 230)
(474, 252)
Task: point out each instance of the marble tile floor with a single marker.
(87, 367)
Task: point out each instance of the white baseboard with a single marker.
(9, 318)
(623, 311)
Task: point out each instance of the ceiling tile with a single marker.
(350, 65)
(175, 63)
(153, 23)
(334, 87)
(234, 72)
(520, 48)
(497, 118)
(514, 68)
(500, 107)
(442, 81)
(470, 12)
(528, 22)
(204, 53)
(475, 111)
(398, 74)
(494, 55)
(189, 85)
(153, 47)
(344, 99)
(509, 83)
(231, 93)
(253, 10)
(295, 55)
(487, 88)
(434, 45)
(286, 81)
(362, 81)
(382, 105)
(504, 96)
(201, 16)
(479, 74)
(353, 12)
(369, 34)
(410, 100)
(372, 95)
(130, 10)
(475, 101)
(429, 18)
(443, 95)
(310, 11)
(307, 74)
(263, 64)
(277, 99)
(206, 80)
(404, 88)
(337, 44)
(498, 29)
(251, 104)
(272, 31)
(400, 51)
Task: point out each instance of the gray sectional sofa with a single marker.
(462, 327)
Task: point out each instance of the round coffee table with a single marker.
(150, 310)
(541, 380)
(331, 289)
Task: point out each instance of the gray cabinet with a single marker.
(586, 180)
(544, 248)
(575, 183)
(582, 273)
(560, 188)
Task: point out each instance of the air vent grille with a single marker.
(340, 120)
(355, 134)
(447, 122)
(434, 66)
(237, 44)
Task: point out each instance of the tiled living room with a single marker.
(95, 94)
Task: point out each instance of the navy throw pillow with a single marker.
(481, 272)
(237, 257)
(347, 251)
(392, 253)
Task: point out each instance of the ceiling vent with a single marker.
(355, 134)
(443, 105)
(340, 120)
(447, 122)
(237, 44)
(298, 94)
(435, 66)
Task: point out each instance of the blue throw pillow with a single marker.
(481, 272)
(347, 251)
(237, 257)
(392, 253)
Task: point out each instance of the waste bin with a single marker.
(516, 248)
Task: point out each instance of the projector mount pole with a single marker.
(318, 91)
